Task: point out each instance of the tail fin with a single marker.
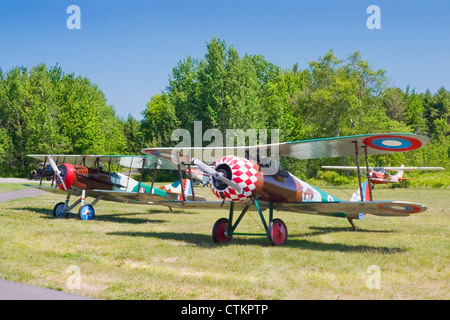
(175, 187)
(365, 196)
(399, 174)
(365, 192)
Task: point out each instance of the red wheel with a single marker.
(219, 231)
(277, 232)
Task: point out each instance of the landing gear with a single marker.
(224, 228)
(86, 212)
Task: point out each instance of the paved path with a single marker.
(16, 291)
(16, 180)
(28, 192)
(25, 192)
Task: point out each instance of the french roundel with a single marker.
(400, 208)
(392, 143)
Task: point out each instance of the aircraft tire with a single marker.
(219, 231)
(277, 232)
(58, 211)
(86, 212)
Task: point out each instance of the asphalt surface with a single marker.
(29, 192)
(16, 291)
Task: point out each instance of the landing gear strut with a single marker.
(86, 212)
(353, 224)
(224, 228)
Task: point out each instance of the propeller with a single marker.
(216, 175)
(56, 171)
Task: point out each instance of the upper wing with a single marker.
(307, 149)
(345, 146)
(385, 168)
(344, 167)
(411, 168)
(352, 209)
(134, 162)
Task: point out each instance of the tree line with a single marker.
(44, 110)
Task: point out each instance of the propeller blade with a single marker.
(232, 184)
(216, 174)
(56, 171)
(203, 166)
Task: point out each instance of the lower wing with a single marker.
(352, 209)
(124, 196)
(343, 209)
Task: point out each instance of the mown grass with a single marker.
(147, 252)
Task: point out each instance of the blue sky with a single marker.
(128, 48)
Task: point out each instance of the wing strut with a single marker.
(181, 182)
(367, 172)
(142, 173)
(359, 179)
(43, 171)
(153, 180)
(358, 169)
(192, 182)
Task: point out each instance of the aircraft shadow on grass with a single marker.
(130, 218)
(202, 240)
(317, 231)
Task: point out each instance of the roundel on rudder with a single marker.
(242, 172)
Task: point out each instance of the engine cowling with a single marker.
(242, 172)
(68, 173)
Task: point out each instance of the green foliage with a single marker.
(44, 110)
(332, 97)
(222, 90)
(334, 178)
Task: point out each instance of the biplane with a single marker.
(239, 182)
(382, 175)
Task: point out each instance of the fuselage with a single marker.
(281, 187)
(383, 178)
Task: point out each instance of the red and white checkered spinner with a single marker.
(241, 171)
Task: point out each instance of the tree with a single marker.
(222, 90)
(437, 107)
(43, 110)
(394, 104)
(160, 120)
(133, 135)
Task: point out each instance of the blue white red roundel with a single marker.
(400, 208)
(393, 143)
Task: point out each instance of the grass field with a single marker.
(147, 252)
